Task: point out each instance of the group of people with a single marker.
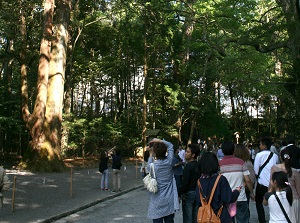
(115, 154)
(182, 179)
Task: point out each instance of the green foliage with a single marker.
(195, 52)
(100, 133)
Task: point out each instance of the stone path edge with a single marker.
(67, 213)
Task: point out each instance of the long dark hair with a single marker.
(103, 156)
(281, 180)
(286, 158)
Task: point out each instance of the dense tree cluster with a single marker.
(78, 76)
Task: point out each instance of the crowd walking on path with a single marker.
(263, 178)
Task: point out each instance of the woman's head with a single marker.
(208, 164)
(159, 150)
(279, 179)
(280, 182)
(242, 152)
(286, 158)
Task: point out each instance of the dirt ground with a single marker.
(11, 161)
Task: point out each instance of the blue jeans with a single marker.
(242, 212)
(104, 179)
(167, 219)
(189, 207)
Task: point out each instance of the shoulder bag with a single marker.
(150, 182)
(263, 166)
(282, 208)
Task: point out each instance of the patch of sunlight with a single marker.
(74, 215)
(49, 185)
(130, 216)
(24, 183)
(22, 173)
(39, 220)
(35, 205)
(125, 216)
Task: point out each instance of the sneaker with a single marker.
(106, 189)
(102, 189)
(119, 190)
(113, 191)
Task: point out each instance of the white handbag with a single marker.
(149, 181)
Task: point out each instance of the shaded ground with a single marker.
(12, 161)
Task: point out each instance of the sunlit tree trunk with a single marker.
(45, 121)
(54, 107)
(35, 121)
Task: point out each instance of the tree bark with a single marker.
(54, 107)
(145, 94)
(35, 121)
(45, 121)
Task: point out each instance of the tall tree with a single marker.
(45, 121)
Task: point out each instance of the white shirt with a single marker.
(260, 158)
(252, 153)
(276, 214)
(181, 154)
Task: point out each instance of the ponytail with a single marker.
(285, 156)
(289, 194)
(281, 179)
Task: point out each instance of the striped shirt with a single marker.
(234, 169)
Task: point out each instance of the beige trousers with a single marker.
(116, 179)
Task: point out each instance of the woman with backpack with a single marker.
(223, 195)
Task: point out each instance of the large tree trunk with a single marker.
(45, 121)
(34, 122)
(54, 107)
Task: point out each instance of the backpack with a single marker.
(5, 183)
(205, 213)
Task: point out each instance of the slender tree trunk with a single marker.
(145, 94)
(193, 126)
(231, 100)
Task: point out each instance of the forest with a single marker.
(78, 76)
